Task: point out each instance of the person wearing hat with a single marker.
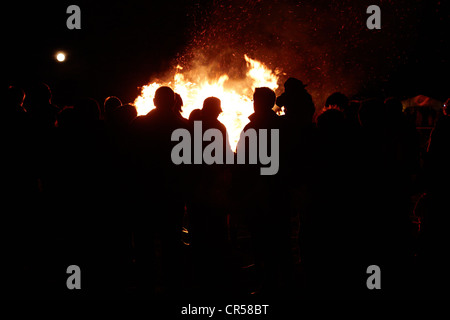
(261, 206)
(298, 154)
(298, 103)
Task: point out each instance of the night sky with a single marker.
(124, 44)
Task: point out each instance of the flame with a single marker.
(235, 95)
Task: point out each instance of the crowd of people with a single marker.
(93, 185)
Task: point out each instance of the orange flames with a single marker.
(236, 95)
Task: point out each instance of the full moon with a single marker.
(60, 56)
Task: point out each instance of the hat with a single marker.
(293, 84)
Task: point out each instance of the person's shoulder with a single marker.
(139, 121)
(182, 122)
(151, 114)
(53, 109)
(250, 124)
(221, 126)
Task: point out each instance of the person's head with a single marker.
(293, 85)
(125, 114)
(211, 108)
(331, 121)
(263, 99)
(40, 93)
(297, 101)
(111, 103)
(164, 98)
(14, 96)
(66, 118)
(87, 110)
(195, 115)
(337, 100)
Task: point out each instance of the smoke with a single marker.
(326, 44)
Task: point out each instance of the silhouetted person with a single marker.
(18, 193)
(43, 115)
(337, 100)
(13, 100)
(122, 117)
(110, 105)
(331, 120)
(210, 113)
(351, 114)
(340, 101)
(388, 155)
(435, 240)
(119, 135)
(405, 143)
(43, 122)
(208, 208)
(195, 114)
(211, 110)
(267, 222)
(263, 117)
(42, 111)
(372, 116)
(298, 149)
(75, 184)
(327, 224)
(298, 103)
(88, 113)
(119, 189)
(66, 119)
(299, 139)
(159, 206)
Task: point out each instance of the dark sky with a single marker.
(119, 46)
(123, 44)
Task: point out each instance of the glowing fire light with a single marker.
(236, 95)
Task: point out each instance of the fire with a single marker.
(235, 95)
